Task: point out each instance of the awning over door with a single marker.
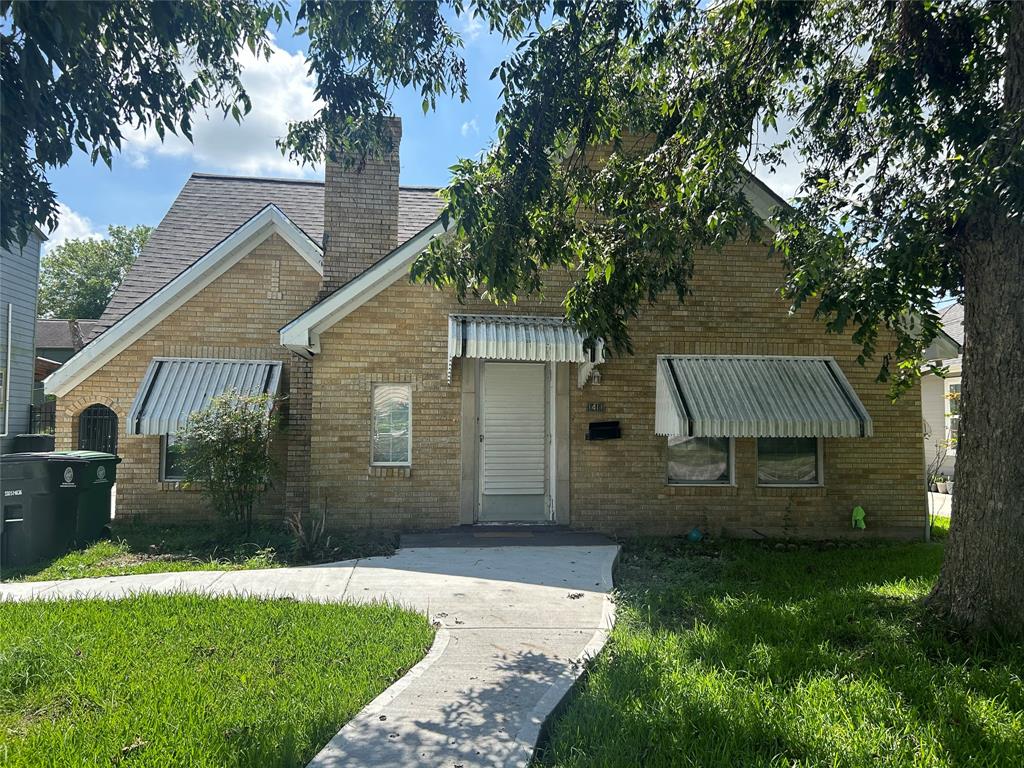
(511, 337)
(175, 387)
(741, 396)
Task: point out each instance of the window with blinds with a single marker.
(392, 425)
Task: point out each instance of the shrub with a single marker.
(225, 451)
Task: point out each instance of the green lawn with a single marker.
(190, 681)
(736, 654)
(140, 548)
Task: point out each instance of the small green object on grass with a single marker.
(858, 518)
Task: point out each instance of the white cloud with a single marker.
(281, 91)
(472, 27)
(71, 226)
(470, 126)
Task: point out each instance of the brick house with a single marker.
(405, 409)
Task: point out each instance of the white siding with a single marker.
(19, 287)
(933, 411)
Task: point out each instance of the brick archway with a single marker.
(69, 419)
(98, 428)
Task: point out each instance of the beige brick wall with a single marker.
(617, 486)
(237, 316)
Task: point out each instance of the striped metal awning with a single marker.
(512, 337)
(751, 396)
(175, 387)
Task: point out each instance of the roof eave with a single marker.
(302, 335)
(269, 220)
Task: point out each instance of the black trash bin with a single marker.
(99, 473)
(39, 498)
(33, 443)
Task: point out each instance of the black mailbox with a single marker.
(604, 430)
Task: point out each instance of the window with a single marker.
(392, 425)
(952, 414)
(171, 469)
(788, 461)
(699, 460)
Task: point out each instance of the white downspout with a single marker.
(7, 374)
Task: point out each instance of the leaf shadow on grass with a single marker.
(735, 654)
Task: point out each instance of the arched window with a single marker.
(97, 429)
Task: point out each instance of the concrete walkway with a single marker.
(514, 624)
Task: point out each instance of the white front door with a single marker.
(513, 443)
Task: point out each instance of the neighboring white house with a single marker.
(19, 286)
(938, 409)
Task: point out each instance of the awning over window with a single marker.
(175, 387)
(720, 396)
(510, 337)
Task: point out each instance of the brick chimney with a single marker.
(360, 212)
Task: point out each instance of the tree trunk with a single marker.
(981, 586)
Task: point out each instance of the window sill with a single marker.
(789, 490)
(178, 485)
(389, 471)
(791, 485)
(670, 484)
(689, 489)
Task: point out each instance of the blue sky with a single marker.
(147, 175)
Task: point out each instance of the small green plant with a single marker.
(225, 452)
(309, 537)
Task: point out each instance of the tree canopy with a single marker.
(77, 76)
(893, 110)
(78, 277)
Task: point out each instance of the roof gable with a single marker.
(302, 335)
(210, 207)
(151, 311)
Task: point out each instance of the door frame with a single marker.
(557, 380)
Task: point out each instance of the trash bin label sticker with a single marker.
(15, 492)
(69, 478)
(101, 473)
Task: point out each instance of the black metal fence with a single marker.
(43, 418)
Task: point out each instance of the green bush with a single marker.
(225, 452)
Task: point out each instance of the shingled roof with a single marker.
(211, 207)
(953, 321)
(56, 333)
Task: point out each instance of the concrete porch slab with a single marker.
(504, 536)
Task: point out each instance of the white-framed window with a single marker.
(171, 469)
(700, 461)
(789, 461)
(391, 437)
(952, 414)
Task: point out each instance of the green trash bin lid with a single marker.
(88, 455)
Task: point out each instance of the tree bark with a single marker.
(981, 586)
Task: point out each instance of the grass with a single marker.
(140, 548)
(186, 680)
(735, 654)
